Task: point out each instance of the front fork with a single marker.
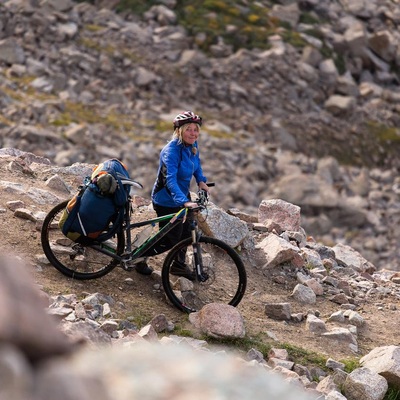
(197, 259)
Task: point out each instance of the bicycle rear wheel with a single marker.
(224, 271)
(72, 259)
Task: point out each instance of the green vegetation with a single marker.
(350, 364)
(304, 357)
(309, 19)
(241, 344)
(340, 63)
(140, 318)
(136, 6)
(92, 44)
(5, 121)
(383, 133)
(368, 144)
(163, 126)
(239, 23)
(79, 113)
(182, 332)
(94, 28)
(393, 393)
(219, 134)
(294, 39)
(296, 354)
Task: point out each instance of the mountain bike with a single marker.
(220, 275)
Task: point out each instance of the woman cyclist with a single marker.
(179, 163)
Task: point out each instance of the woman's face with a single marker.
(190, 133)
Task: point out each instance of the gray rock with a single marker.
(217, 223)
(362, 382)
(304, 294)
(279, 215)
(219, 320)
(11, 52)
(280, 311)
(278, 251)
(34, 332)
(385, 361)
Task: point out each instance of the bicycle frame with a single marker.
(131, 254)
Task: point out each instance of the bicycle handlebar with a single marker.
(202, 196)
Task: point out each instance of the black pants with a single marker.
(180, 232)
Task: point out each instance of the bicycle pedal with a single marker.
(128, 265)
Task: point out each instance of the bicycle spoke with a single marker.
(73, 259)
(223, 279)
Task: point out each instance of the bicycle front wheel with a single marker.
(72, 259)
(224, 276)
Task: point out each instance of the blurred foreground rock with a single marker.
(38, 362)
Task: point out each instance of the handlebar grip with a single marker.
(211, 184)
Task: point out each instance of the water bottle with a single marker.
(142, 236)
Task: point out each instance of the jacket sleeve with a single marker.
(171, 158)
(198, 173)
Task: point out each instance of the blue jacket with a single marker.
(177, 166)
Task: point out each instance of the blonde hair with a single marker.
(178, 132)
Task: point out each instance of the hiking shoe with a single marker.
(143, 269)
(180, 269)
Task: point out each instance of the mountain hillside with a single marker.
(326, 307)
(301, 103)
(308, 112)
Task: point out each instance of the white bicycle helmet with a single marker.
(187, 117)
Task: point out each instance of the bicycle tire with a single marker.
(72, 259)
(226, 281)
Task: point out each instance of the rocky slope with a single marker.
(310, 312)
(80, 83)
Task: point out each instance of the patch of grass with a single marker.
(242, 344)
(383, 133)
(350, 364)
(93, 27)
(220, 134)
(23, 84)
(25, 92)
(304, 357)
(340, 63)
(5, 121)
(308, 18)
(136, 6)
(296, 354)
(294, 39)
(140, 319)
(12, 94)
(351, 234)
(78, 113)
(183, 332)
(91, 44)
(393, 393)
(109, 50)
(163, 126)
(315, 32)
(22, 81)
(308, 266)
(251, 20)
(367, 144)
(62, 120)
